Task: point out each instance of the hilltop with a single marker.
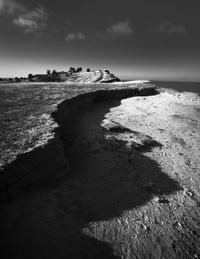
(97, 76)
(72, 75)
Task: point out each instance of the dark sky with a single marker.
(136, 39)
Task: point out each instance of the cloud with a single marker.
(2, 2)
(179, 29)
(32, 21)
(11, 6)
(73, 36)
(171, 29)
(120, 28)
(28, 20)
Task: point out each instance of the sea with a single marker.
(179, 86)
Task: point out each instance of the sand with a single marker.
(131, 189)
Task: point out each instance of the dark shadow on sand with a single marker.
(102, 184)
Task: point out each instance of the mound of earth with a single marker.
(97, 76)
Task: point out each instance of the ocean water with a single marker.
(179, 86)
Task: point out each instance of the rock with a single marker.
(162, 200)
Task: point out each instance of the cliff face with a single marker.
(97, 76)
(44, 142)
(118, 179)
(26, 121)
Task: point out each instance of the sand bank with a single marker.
(122, 182)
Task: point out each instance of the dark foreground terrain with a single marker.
(116, 179)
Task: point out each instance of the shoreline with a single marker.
(130, 179)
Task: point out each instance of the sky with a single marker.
(134, 39)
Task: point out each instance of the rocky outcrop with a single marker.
(96, 76)
(47, 163)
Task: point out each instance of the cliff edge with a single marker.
(123, 180)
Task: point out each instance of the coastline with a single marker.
(193, 87)
(50, 139)
(120, 172)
